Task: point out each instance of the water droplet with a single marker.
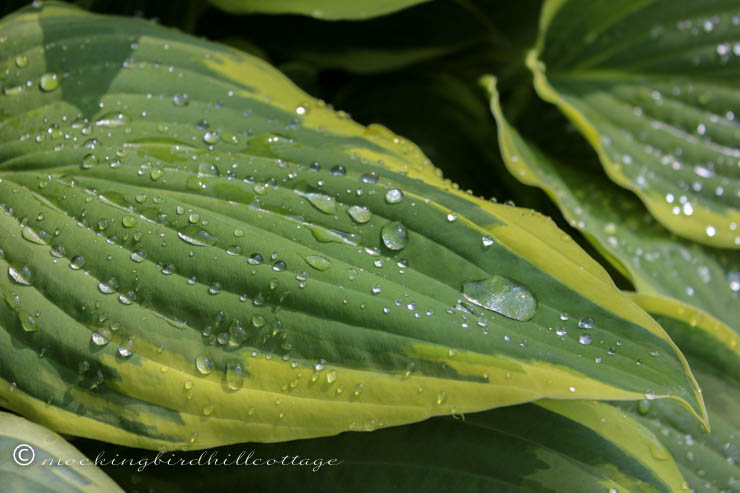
(181, 99)
(210, 137)
(114, 119)
(89, 161)
(318, 262)
(331, 376)
(126, 350)
(101, 337)
(279, 266)
(319, 365)
(21, 61)
(207, 169)
(338, 170)
(502, 295)
(197, 236)
(586, 323)
(394, 196)
(451, 217)
(22, 275)
(360, 214)
(324, 203)
(214, 288)
(370, 178)
(376, 289)
(394, 235)
(204, 365)
(234, 374)
(32, 236)
(256, 259)
(487, 241)
(28, 321)
(49, 82)
(561, 331)
(128, 221)
(585, 339)
(441, 398)
(77, 263)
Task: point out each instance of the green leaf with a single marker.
(38, 460)
(553, 446)
(654, 86)
(321, 9)
(614, 220)
(275, 272)
(430, 31)
(708, 461)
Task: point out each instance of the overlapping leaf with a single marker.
(656, 261)
(708, 461)
(35, 459)
(654, 86)
(191, 239)
(555, 446)
(322, 9)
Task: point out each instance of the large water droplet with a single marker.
(101, 337)
(22, 275)
(234, 374)
(204, 365)
(394, 235)
(49, 82)
(502, 295)
(197, 236)
(394, 196)
(114, 119)
(324, 203)
(318, 262)
(77, 263)
(360, 214)
(31, 235)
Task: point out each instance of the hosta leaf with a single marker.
(553, 446)
(321, 9)
(35, 459)
(708, 461)
(430, 31)
(204, 255)
(656, 261)
(654, 86)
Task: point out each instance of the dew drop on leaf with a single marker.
(394, 196)
(318, 262)
(204, 365)
(502, 295)
(394, 236)
(49, 82)
(360, 214)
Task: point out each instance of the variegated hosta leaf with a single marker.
(198, 253)
(708, 461)
(655, 87)
(321, 9)
(614, 220)
(551, 446)
(35, 459)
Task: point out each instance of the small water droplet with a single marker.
(586, 323)
(77, 263)
(101, 337)
(585, 339)
(331, 376)
(181, 99)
